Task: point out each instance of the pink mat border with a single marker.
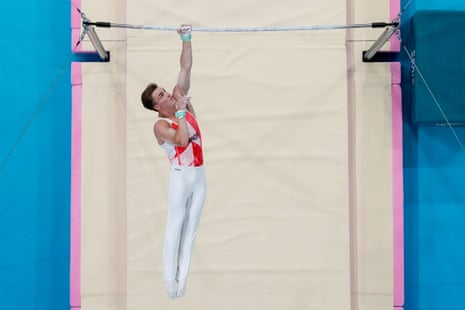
(76, 138)
(397, 170)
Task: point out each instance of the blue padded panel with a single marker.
(437, 43)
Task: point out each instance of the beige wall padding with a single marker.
(277, 112)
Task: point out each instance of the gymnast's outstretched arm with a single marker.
(184, 78)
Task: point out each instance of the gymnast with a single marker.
(177, 132)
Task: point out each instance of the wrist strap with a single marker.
(180, 114)
(186, 37)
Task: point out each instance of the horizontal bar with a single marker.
(240, 29)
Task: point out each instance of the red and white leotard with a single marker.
(190, 155)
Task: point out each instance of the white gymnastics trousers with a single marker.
(186, 198)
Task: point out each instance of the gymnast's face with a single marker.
(162, 99)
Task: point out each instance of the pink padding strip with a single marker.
(75, 16)
(76, 132)
(398, 195)
(397, 169)
(75, 264)
(76, 71)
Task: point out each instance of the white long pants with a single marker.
(186, 198)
